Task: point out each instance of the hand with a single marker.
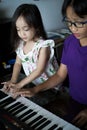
(26, 92)
(15, 87)
(6, 86)
(81, 119)
(10, 87)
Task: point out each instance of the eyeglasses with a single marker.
(76, 24)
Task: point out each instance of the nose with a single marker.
(73, 28)
(22, 33)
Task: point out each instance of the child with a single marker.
(34, 52)
(73, 62)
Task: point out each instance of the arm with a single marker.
(81, 119)
(15, 74)
(41, 65)
(57, 78)
(16, 70)
(54, 80)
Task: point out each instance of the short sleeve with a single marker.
(66, 49)
(19, 49)
(51, 44)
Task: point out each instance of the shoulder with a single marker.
(20, 46)
(70, 42)
(70, 38)
(48, 42)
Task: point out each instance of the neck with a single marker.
(83, 42)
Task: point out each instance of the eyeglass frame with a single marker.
(73, 23)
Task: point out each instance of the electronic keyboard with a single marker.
(27, 114)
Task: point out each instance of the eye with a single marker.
(17, 29)
(79, 23)
(26, 28)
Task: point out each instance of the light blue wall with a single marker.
(50, 11)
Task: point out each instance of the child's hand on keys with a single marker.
(6, 86)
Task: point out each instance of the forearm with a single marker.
(50, 83)
(16, 71)
(35, 74)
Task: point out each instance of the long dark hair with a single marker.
(79, 7)
(32, 16)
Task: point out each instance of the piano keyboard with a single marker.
(32, 114)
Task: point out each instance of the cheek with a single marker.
(19, 34)
(31, 34)
(84, 32)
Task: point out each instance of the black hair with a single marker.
(32, 16)
(79, 7)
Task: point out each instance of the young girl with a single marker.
(34, 52)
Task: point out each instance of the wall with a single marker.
(50, 11)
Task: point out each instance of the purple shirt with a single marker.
(75, 57)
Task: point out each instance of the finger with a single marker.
(3, 83)
(79, 121)
(12, 85)
(76, 118)
(25, 93)
(15, 96)
(21, 93)
(5, 88)
(13, 90)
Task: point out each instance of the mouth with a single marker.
(24, 38)
(76, 35)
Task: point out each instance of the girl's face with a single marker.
(79, 33)
(25, 32)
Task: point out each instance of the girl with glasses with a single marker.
(73, 62)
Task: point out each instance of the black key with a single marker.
(12, 106)
(19, 110)
(53, 127)
(7, 99)
(6, 102)
(39, 122)
(15, 108)
(24, 114)
(2, 95)
(36, 119)
(29, 116)
(60, 128)
(44, 124)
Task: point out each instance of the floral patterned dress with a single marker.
(29, 60)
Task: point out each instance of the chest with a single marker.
(77, 57)
(28, 47)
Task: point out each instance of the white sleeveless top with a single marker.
(29, 60)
